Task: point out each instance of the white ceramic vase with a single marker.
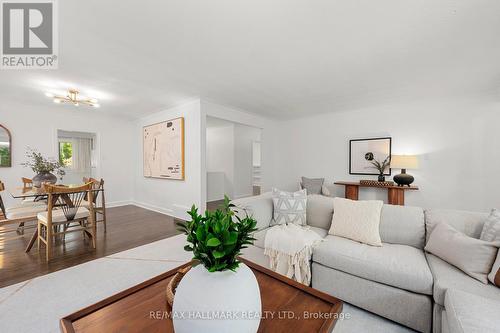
(217, 302)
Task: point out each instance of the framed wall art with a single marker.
(363, 151)
(163, 147)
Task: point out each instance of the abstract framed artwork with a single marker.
(163, 147)
(362, 151)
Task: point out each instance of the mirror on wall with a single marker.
(5, 147)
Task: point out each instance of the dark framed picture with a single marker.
(362, 152)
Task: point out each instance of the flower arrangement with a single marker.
(40, 164)
(217, 238)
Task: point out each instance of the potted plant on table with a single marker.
(219, 284)
(43, 168)
(380, 166)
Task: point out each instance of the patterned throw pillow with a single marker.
(289, 207)
(491, 228)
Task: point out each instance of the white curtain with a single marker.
(82, 154)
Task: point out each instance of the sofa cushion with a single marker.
(260, 236)
(357, 220)
(469, 223)
(312, 185)
(319, 211)
(289, 207)
(447, 276)
(473, 256)
(403, 225)
(260, 207)
(468, 313)
(396, 265)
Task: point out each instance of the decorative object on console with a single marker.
(357, 220)
(72, 98)
(473, 256)
(5, 147)
(376, 183)
(289, 207)
(215, 286)
(164, 149)
(364, 153)
(404, 162)
(312, 185)
(43, 168)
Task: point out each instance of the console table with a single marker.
(395, 194)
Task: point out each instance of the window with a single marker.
(66, 153)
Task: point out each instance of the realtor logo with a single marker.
(29, 38)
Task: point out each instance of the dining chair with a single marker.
(14, 213)
(66, 214)
(98, 208)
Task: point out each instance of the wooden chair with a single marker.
(98, 208)
(70, 215)
(27, 183)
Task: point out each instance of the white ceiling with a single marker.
(281, 58)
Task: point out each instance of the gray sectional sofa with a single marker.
(399, 280)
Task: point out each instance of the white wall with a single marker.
(220, 158)
(173, 197)
(37, 128)
(457, 142)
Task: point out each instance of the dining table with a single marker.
(37, 193)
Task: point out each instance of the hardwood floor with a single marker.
(128, 227)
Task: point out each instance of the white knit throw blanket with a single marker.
(289, 248)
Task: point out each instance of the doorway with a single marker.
(78, 153)
(233, 160)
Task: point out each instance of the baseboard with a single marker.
(118, 203)
(161, 210)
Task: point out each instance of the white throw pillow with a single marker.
(473, 256)
(289, 207)
(357, 220)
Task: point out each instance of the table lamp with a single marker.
(404, 162)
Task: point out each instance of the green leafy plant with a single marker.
(381, 166)
(40, 164)
(217, 238)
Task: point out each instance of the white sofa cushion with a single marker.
(403, 225)
(319, 211)
(469, 223)
(396, 265)
(473, 256)
(357, 220)
(260, 235)
(491, 228)
(468, 313)
(259, 207)
(58, 215)
(447, 277)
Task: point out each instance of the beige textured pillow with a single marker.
(473, 256)
(494, 276)
(357, 220)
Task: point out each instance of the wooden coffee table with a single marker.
(287, 306)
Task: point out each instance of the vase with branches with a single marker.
(43, 167)
(381, 166)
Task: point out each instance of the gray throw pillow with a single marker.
(289, 207)
(312, 185)
(491, 228)
(475, 257)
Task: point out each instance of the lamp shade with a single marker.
(404, 162)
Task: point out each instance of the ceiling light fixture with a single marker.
(72, 97)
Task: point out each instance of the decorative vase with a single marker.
(381, 178)
(217, 302)
(44, 177)
(403, 178)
